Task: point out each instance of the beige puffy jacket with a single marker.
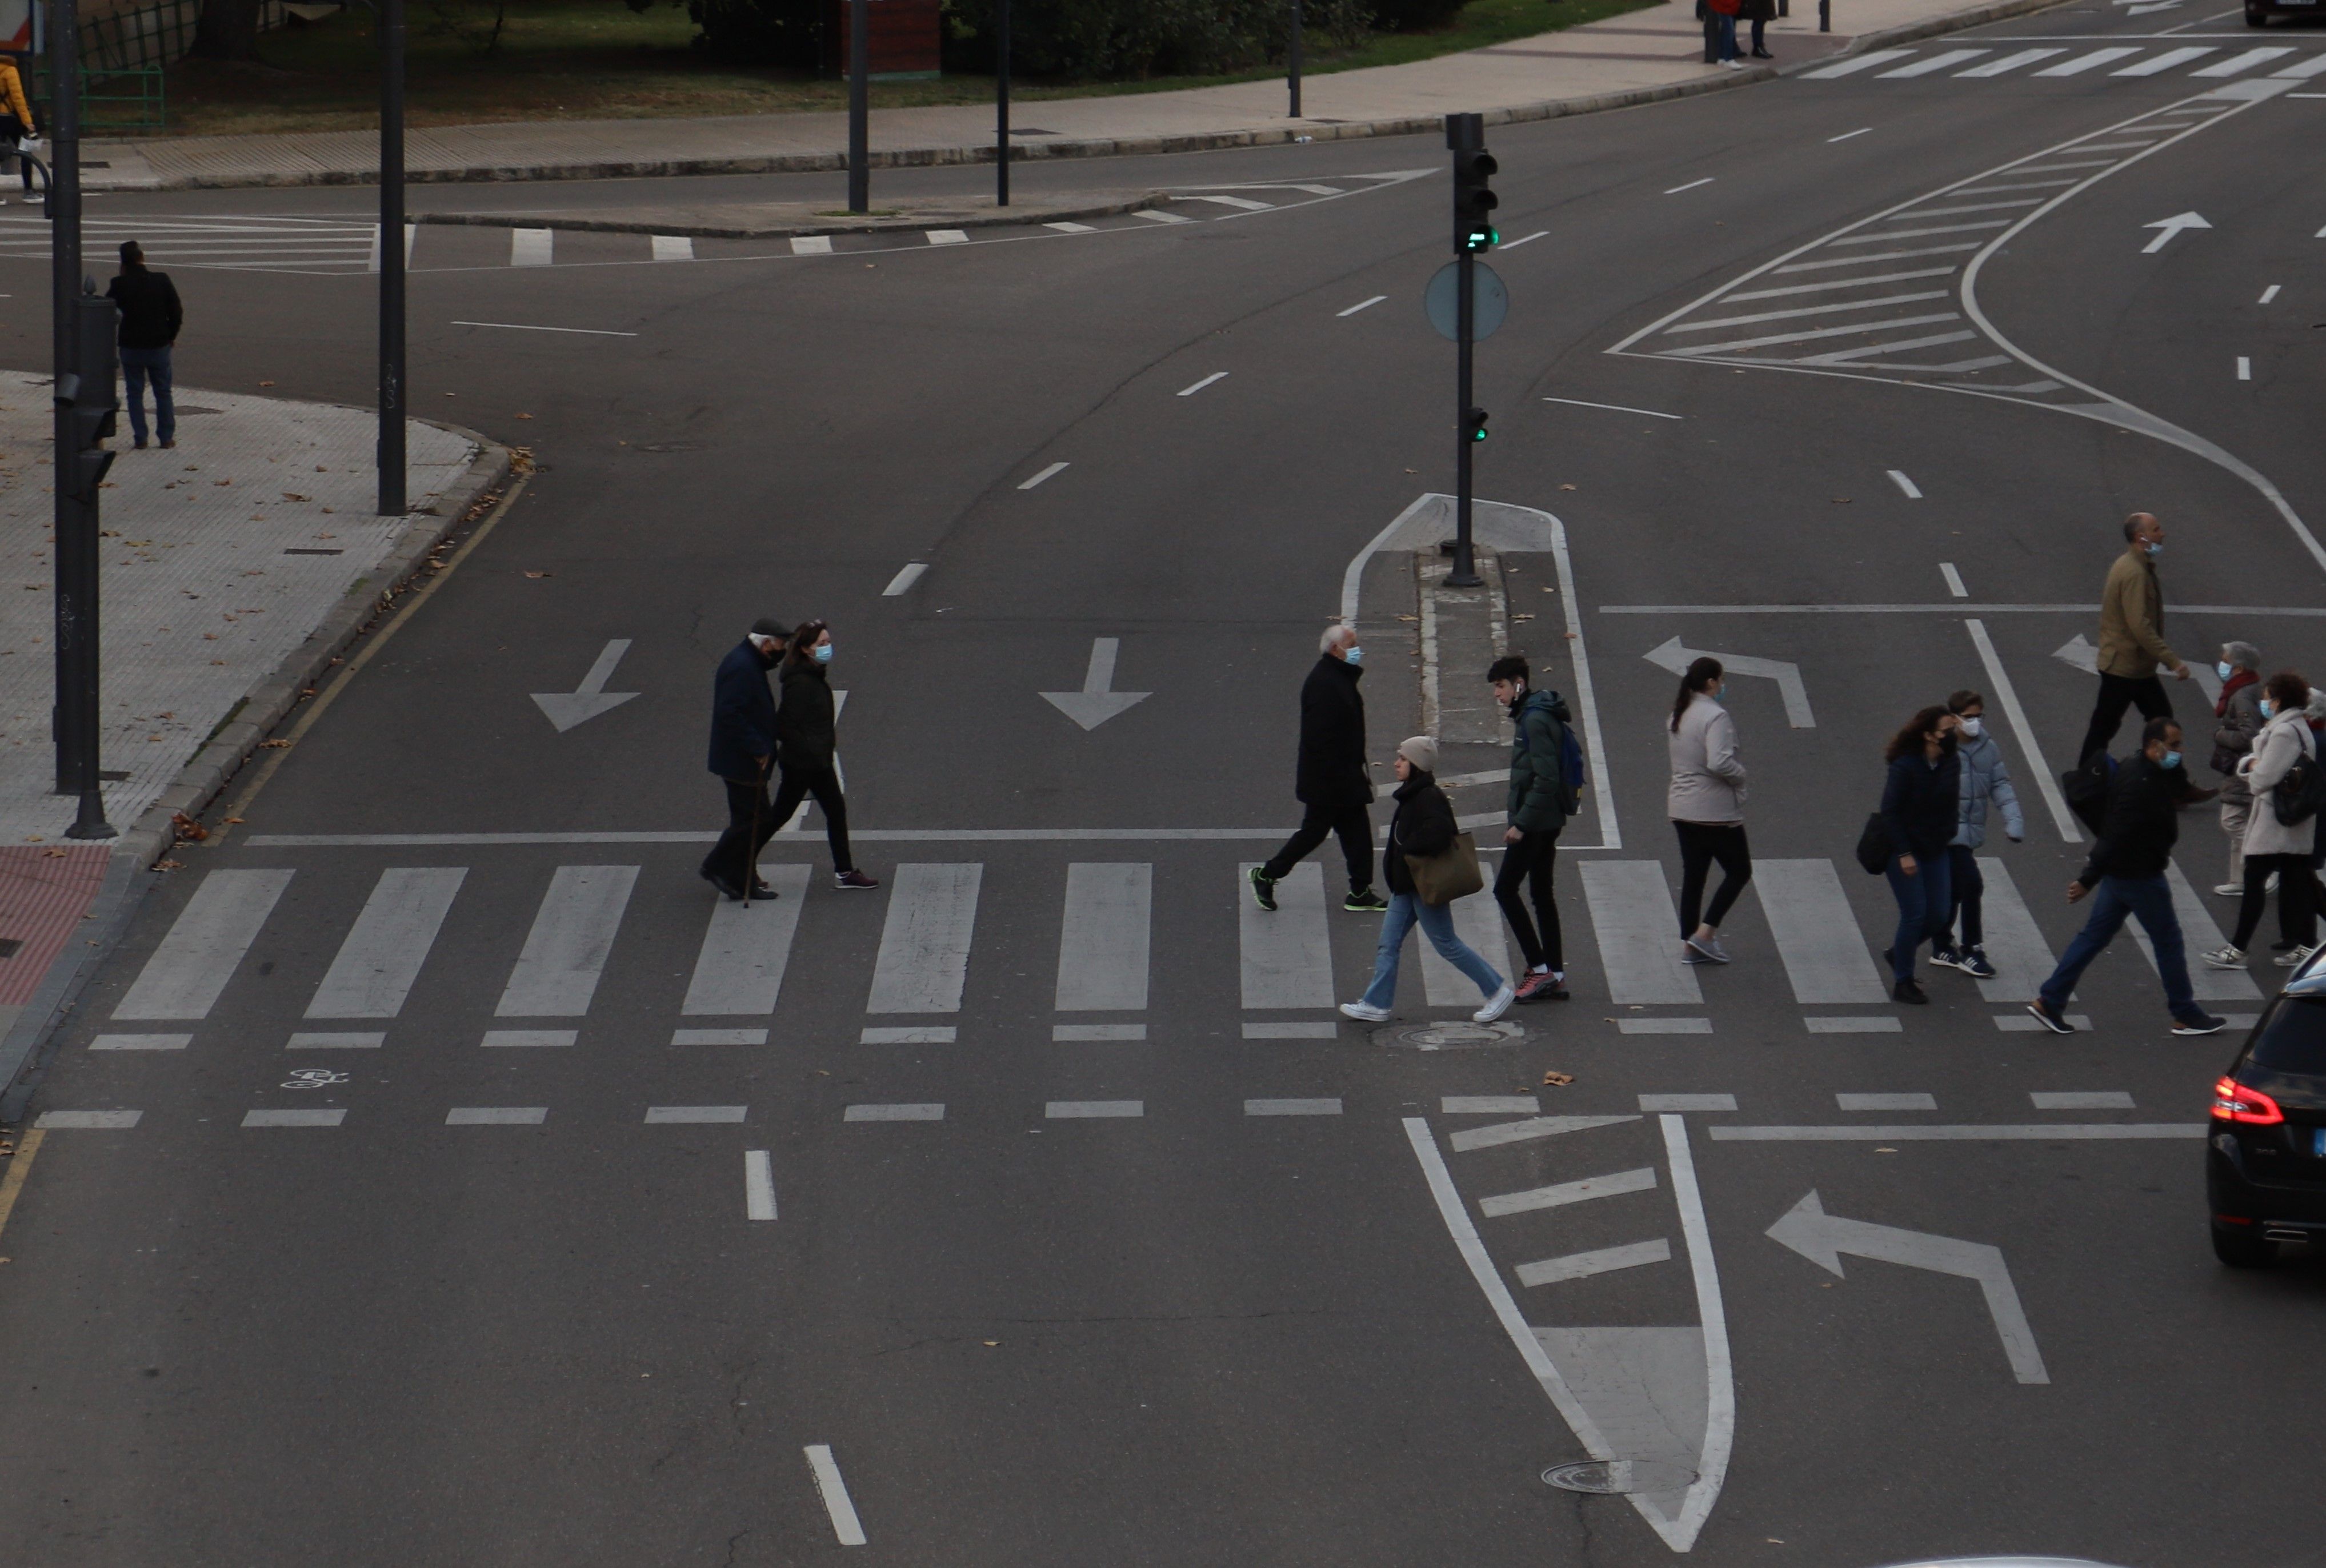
(1707, 778)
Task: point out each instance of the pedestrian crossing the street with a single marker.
(2059, 60)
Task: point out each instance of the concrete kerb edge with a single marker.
(1107, 147)
(1036, 214)
(25, 1050)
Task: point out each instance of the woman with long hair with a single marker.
(1706, 804)
(806, 725)
(1920, 801)
(2271, 847)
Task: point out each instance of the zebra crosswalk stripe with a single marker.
(205, 944)
(1285, 957)
(924, 957)
(388, 942)
(739, 969)
(1102, 944)
(1639, 933)
(556, 974)
(1816, 933)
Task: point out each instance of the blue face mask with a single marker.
(2267, 707)
(2155, 549)
(2171, 760)
(823, 652)
(2224, 669)
(1355, 655)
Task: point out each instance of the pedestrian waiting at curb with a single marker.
(1541, 798)
(151, 316)
(16, 123)
(742, 747)
(806, 740)
(2236, 718)
(1986, 778)
(2276, 847)
(2132, 637)
(1706, 804)
(2126, 874)
(1720, 33)
(1760, 14)
(1330, 779)
(1921, 806)
(1427, 863)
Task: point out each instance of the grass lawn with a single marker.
(574, 59)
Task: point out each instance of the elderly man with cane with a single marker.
(742, 744)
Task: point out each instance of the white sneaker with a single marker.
(1731, 65)
(2226, 958)
(2286, 960)
(1496, 1005)
(1366, 1012)
(2230, 890)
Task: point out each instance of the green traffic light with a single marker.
(1484, 237)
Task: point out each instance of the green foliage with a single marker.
(1132, 39)
(777, 33)
(1414, 15)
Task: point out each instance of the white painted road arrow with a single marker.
(589, 700)
(1096, 702)
(2078, 651)
(1677, 659)
(1822, 1238)
(2167, 228)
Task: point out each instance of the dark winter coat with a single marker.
(1332, 767)
(1537, 794)
(1423, 825)
(742, 714)
(2141, 825)
(1921, 803)
(806, 725)
(1757, 10)
(151, 314)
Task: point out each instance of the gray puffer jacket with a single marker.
(1985, 777)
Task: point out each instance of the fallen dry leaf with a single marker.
(541, 574)
(1841, 500)
(1557, 1079)
(525, 416)
(267, 384)
(1567, 487)
(275, 745)
(169, 866)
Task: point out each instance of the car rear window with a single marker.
(2293, 1040)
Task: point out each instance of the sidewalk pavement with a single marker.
(234, 568)
(1633, 59)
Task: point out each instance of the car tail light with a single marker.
(2233, 1101)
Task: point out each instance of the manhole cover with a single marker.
(1450, 1036)
(1611, 1476)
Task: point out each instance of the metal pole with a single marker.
(72, 595)
(77, 553)
(1825, 16)
(1001, 104)
(1465, 570)
(859, 105)
(391, 259)
(1292, 60)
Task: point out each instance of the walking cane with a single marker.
(752, 854)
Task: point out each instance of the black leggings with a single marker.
(2297, 919)
(1529, 864)
(1700, 844)
(800, 783)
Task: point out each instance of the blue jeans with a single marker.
(1437, 922)
(1726, 38)
(137, 366)
(1923, 906)
(2150, 900)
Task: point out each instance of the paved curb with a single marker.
(1103, 147)
(24, 1049)
(1033, 212)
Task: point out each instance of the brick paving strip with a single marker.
(234, 568)
(1640, 57)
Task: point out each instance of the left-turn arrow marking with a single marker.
(586, 702)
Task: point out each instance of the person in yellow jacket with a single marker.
(15, 119)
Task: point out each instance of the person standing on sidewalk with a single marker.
(151, 316)
(742, 744)
(2126, 872)
(1760, 14)
(1720, 16)
(1330, 780)
(16, 122)
(2236, 718)
(2132, 637)
(1423, 826)
(1921, 806)
(2271, 847)
(1539, 804)
(806, 740)
(1985, 777)
(1706, 804)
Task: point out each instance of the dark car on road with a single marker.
(2259, 11)
(2265, 1153)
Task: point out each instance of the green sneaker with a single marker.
(1365, 902)
(1263, 889)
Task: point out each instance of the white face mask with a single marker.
(1972, 729)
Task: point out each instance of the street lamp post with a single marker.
(1001, 104)
(391, 259)
(1292, 61)
(859, 105)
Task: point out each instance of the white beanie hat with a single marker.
(1419, 750)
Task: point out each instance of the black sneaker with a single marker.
(2200, 1024)
(1263, 889)
(1974, 963)
(1367, 902)
(1910, 991)
(2041, 1010)
(1947, 958)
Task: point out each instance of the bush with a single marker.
(1414, 15)
(1118, 40)
(777, 33)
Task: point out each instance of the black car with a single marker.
(2259, 11)
(2266, 1155)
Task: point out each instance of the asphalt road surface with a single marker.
(504, 1203)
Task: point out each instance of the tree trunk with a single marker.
(228, 30)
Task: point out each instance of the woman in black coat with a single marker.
(1921, 803)
(807, 726)
(1760, 14)
(1424, 825)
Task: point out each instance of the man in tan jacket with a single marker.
(2132, 637)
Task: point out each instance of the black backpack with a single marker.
(2086, 787)
(2301, 795)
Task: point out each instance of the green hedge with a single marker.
(1125, 40)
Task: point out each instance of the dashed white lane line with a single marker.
(811, 245)
(337, 1040)
(894, 1113)
(1292, 1107)
(1206, 381)
(948, 237)
(719, 1037)
(673, 247)
(496, 1116)
(2269, 293)
(293, 1117)
(1151, 216)
(531, 247)
(86, 1120)
(526, 326)
(1905, 484)
(1663, 1102)
(1885, 1102)
(141, 1042)
(1241, 203)
(834, 1492)
(1096, 1034)
(909, 574)
(758, 1185)
(1846, 135)
(2079, 1099)
(1364, 305)
(1488, 1104)
(1583, 1265)
(1954, 580)
(908, 1033)
(1691, 185)
(1527, 239)
(693, 1115)
(1064, 227)
(2245, 368)
(1087, 1109)
(1616, 407)
(530, 1038)
(1051, 472)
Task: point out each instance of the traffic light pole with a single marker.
(1001, 104)
(1292, 61)
(860, 106)
(390, 446)
(1465, 567)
